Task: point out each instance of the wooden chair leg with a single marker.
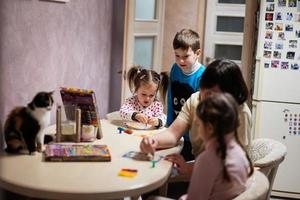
(163, 190)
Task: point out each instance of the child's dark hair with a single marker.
(186, 38)
(137, 76)
(221, 111)
(227, 75)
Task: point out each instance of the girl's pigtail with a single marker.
(163, 86)
(131, 75)
(222, 152)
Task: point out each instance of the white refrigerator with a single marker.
(276, 96)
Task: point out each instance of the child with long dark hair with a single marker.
(144, 105)
(221, 170)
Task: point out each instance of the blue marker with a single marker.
(120, 129)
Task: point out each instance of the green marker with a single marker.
(153, 163)
(153, 160)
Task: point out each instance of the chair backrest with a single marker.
(158, 198)
(257, 187)
(266, 155)
(113, 116)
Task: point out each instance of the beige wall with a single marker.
(178, 15)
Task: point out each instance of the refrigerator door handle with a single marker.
(257, 80)
(255, 121)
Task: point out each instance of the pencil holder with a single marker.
(72, 129)
(86, 101)
(69, 130)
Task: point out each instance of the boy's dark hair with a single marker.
(186, 38)
(137, 75)
(221, 111)
(227, 75)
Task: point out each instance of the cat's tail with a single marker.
(14, 146)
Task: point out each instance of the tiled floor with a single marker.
(175, 191)
(278, 198)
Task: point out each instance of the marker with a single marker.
(128, 131)
(152, 160)
(120, 129)
(129, 170)
(153, 163)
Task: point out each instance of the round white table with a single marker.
(30, 175)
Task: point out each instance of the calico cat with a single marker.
(24, 126)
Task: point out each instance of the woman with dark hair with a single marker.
(228, 77)
(220, 76)
(225, 76)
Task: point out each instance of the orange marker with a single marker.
(128, 131)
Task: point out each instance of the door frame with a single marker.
(141, 28)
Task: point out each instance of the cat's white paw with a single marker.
(40, 148)
(32, 153)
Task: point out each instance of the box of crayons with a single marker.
(77, 152)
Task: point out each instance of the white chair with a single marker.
(113, 116)
(266, 155)
(257, 188)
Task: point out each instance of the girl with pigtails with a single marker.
(144, 106)
(222, 169)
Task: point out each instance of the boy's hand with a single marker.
(180, 164)
(141, 118)
(153, 121)
(148, 145)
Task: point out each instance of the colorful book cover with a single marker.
(77, 152)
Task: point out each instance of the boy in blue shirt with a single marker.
(185, 76)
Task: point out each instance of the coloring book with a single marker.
(77, 152)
